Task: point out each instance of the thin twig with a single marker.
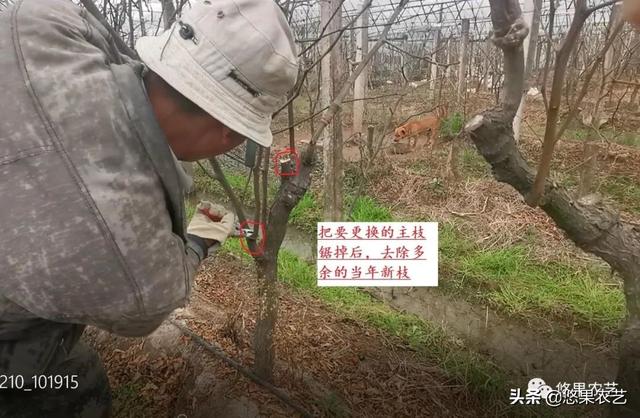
(319, 112)
(120, 44)
(303, 77)
(464, 214)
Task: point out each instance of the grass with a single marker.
(419, 167)
(473, 164)
(306, 214)
(431, 341)
(624, 191)
(366, 209)
(127, 400)
(190, 209)
(511, 280)
(452, 125)
(631, 139)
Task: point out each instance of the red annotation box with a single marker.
(290, 156)
(250, 225)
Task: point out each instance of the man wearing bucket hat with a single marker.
(93, 219)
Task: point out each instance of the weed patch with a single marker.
(512, 281)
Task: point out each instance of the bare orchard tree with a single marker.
(589, 223)
(291, 190)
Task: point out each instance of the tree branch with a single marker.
(303, 76)
(603, 5)
(550, 135)
(573, 112)
(120, 44)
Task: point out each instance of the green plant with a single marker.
(625, 191)
(630, 139)
(580, 134)
(474, 164)
(452, 125)
(190, 209)
(366, 209)
(512, 281)
(306, 214)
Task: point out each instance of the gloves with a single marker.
(212, 222)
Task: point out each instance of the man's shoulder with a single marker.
(49, 13)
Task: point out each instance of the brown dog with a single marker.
(429, 124)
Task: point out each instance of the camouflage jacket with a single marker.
(92, 213)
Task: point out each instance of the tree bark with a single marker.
(266, 318)
(332, 72)
(436, 70)
(589, 167)
(143, 28)
(582, 12)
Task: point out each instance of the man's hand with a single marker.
(212, 223)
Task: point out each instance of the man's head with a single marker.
(218, 74)
(191, 132)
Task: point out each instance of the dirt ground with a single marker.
(329, 365)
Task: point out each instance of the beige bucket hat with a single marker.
(236, 59)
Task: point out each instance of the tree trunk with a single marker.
(360, 87)
(436, 70)
(589, 168)
(338, 75)
(326, 92)
(461, 90)
(143, 29)
(332, 72)
(291, 190)
(267, 316)
(612, 58)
